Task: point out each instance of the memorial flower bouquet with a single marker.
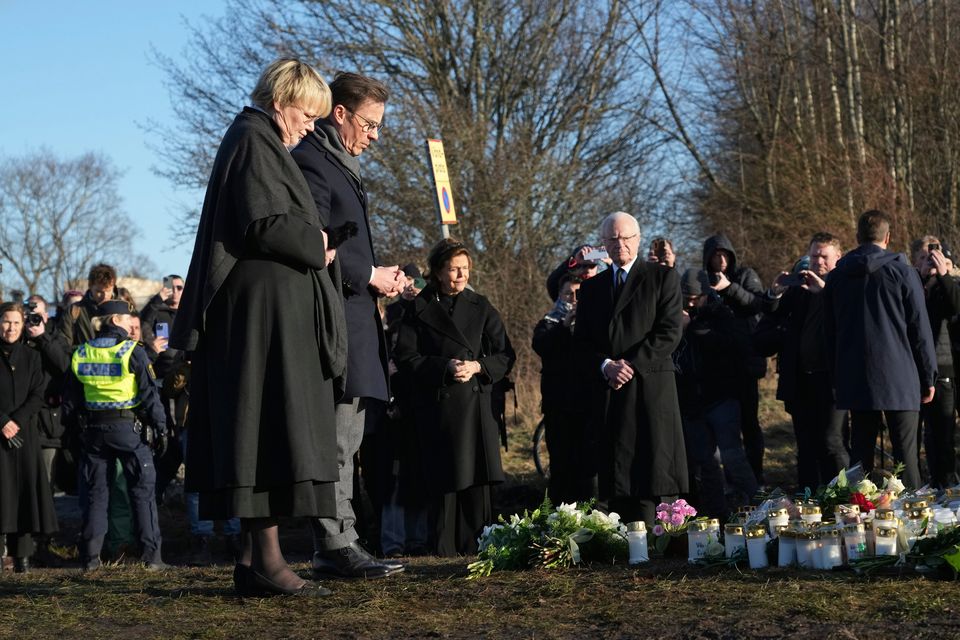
(672, 521)
(550, 538)
(851, 487)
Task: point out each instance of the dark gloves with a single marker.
(160, 441)
(338, 235)
(156, 439)
(14, 443)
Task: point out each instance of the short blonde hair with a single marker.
(289, 82)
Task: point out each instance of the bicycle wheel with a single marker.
(541, 457)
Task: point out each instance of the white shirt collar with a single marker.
(626, 268)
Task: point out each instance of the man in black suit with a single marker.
(329, 160)
(628, 324)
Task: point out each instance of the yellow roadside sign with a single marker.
(441, 182)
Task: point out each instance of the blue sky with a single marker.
(77, 77)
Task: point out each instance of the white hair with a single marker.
(618, 215)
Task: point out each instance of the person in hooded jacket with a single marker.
(880, 345)
(740, 289)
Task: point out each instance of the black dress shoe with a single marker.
(258, 585)
(21, 565)
(352, 561)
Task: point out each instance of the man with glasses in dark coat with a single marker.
(329, 160)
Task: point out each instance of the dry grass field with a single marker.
(665, 598)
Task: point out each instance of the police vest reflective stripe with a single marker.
(106, 377)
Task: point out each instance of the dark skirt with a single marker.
(26, 502)
(262, 439)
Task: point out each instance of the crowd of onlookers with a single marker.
(842, 375)
(277, 375)
(731, 325)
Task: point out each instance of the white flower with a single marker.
(893, 485)
(866, 487)
(603, 521)
(571, 510)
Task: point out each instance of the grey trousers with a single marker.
(339, 532)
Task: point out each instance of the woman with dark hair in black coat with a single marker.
(26, 503)
(453, 344)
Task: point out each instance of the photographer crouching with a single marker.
(565, 413)
(111, 393)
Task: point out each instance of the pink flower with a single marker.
(663, 506)
(677, 519)
(689, 511)
(662, 515)
(658, 530)
(680, 503)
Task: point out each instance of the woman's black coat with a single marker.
(26, 503)
(457, 434)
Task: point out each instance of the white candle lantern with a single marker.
(777, 518)
(886, 541)
(855, 541)
(757, 547)
(734, 539)
(637, 542)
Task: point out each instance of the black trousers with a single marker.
(458, 518)
(748, 393)
(573, 476)
(902, 426)
(100, 447)
(939, 431)
(634, 509)
(818, 426)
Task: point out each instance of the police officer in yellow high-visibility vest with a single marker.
(112, 397)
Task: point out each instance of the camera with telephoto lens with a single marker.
(32, 318)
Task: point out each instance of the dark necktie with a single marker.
(621, 278)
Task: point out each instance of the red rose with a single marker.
(861, 500)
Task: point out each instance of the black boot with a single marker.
(21, 564)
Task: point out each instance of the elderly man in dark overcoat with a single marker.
(880, 345)
(628, 324)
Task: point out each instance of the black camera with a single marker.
(32, 318)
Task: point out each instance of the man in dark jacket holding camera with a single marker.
(795, 330)
(942, 295)
(712, 349)
(740, 289)
(565, 415)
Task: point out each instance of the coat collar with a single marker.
(429, 311)
(355, 182)
(635, 276)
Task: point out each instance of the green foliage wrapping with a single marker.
(550, 538)
(928, 553)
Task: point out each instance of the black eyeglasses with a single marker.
(368, 125)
